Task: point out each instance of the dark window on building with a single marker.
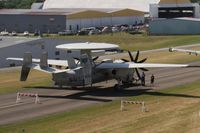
(57, 53)
(57, 58)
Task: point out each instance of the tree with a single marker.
(25, 4)
(22, 4)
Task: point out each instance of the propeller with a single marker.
(136, 61)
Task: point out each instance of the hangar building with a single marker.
(174, 9)
(55, 20)
(58, 15)
(174, 17)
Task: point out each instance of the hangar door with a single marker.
(175, 12)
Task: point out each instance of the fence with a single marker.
(19, 95)
(124, 102)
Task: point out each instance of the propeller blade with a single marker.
(95, 58)
(143, 69)
(131, 57)
(137, 72)
(142, 61)
(125, 60)
(137, 56)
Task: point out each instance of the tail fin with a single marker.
(27, 61)
(43, 60)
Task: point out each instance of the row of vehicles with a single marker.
(14, 33)
(87, 31)
(104, 30)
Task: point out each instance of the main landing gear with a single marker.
(122, 84)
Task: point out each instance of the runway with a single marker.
(54, 100)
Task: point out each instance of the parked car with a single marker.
(36, 33)
(107, 29)
(65, 32)
(85, 31)
(4, 33)
(13, 33)
(94, 32)
(26, 33)
(115, 29)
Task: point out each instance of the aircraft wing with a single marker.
(136, 65)
(184, 51)
(50, 61)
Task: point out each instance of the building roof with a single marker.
(126, 12)
(33, 12)
(104, 13)
(174, 1)
(74, 13)
(141, 5)
(87, 14)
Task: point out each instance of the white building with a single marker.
(140, 5)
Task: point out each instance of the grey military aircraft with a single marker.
(86, 70)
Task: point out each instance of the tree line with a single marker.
(17, 4)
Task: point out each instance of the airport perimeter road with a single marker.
(54, 100)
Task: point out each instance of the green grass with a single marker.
(170, 110)
(136, 42)
(9, 81)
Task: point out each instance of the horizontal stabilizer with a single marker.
(50, 61)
